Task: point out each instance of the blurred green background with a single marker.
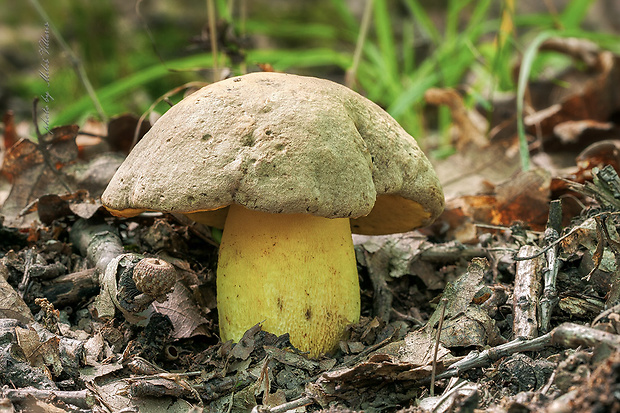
(132, 53)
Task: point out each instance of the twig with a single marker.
(213, 38)
(29, 261)
(605, 314)
(80, 398)
(97, 241)
(563, 237)
(444, 303)
(526, 293)
(351, 73)
(567, 335)
(571, 335)
(302, 401)
(550, 295)
(75, 61)
(450, 252)
(487, 357)
(285, 407)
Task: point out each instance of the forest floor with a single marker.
(519, 276)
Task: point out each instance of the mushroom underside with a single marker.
(391, 214)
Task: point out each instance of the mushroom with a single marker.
(288, 166)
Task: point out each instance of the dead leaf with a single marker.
(183, 313)
(597, 155)
(522, 199)
(95, 174)
(466, 323)
(10, 132)
(11, 304)
(592, 99)
(245, 346)
(122, 131)
(91, 139)
(391, 254)
(44, 355)
(289, 358)
(590, 236)
(37, 169)
(460, 293)
(575, 131)
(405, 360)
(473, 328)
(474, 171)
(52, 207)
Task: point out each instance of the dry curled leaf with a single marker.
(183, 313)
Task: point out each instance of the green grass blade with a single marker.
(423, 20)
(385, 37)
(574, 13)
(524, 75)
(280, 59)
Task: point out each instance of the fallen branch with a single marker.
(79, 398)
(567, 335)
(485, 358)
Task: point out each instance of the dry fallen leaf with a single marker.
(183, 313)
(522, 199)
(465, 323)
(122, 131)
(37, 169)
(405, 360)
(11, 304)
(590, 97)
(44, 355)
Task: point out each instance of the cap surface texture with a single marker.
(279, 143)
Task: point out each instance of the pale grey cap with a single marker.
(279, 143)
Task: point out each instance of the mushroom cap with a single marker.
(279, 143)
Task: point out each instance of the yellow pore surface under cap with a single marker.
(295, 273)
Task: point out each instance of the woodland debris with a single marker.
(592, 99)
(33, 356)
(79, 398)
(599, 391)
(466, 321)
(567, 335)
(571, 335)
(33, 168)
(71, 290)
(522, 198)
(97, 241)
(12, 305)
(550, 294)
(526, 294)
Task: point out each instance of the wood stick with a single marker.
(550, 294)
(526, 293)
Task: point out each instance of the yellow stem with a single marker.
(295, 273)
